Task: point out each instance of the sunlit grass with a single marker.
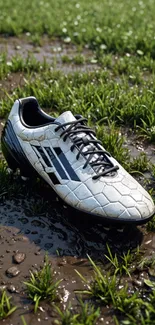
(87, 314)
(109, 26)
(42, 285)
(101, 287)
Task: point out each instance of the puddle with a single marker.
(137, 146)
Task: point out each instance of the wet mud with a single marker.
(66, 240)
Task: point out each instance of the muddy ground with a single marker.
(66, 237)
(52, 51)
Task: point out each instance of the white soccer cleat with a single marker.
(67, 155)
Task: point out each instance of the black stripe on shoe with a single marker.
(66, 164)
(43, 155)
(56, 163)
(53, 178)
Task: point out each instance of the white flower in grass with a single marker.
(9, 64)
(152, 129)
(67, 40)
(64, 30)
(98, 29)
(103, 47)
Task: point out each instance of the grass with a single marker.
(94, 95)
(87, 315)
(6, 308)
(139, 164)
(123, 264)
(42, 285)
(18, 64)
(151, 225)
(23, 320)
(102, 287)
(129, 306)
(122, 27)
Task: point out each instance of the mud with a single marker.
(137, 145)
(50, 50)
(66, 240)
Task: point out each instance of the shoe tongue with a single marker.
(65, 117)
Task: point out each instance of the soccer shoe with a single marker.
(68, 156)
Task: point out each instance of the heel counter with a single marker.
(13, 151)
(14, 111)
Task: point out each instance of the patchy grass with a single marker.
(106, 26)
(42, 285)
(87, 315)
(95, 95)
(18, 64)
(6, 308)
(128, 305)
(151, 224)
(102, 287)
(139, 164)
(122, 264)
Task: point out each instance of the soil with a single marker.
(10, 82)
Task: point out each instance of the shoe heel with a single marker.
(11, 161)
(14, 153)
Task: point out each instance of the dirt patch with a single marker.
(10, 82)
(50, 50)
(137, 145)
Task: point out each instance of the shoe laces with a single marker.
(84, 140)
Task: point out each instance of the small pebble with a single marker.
(37, 253)
(22, 238)
(12, 271)
(12, 288)
(138, 283)
(19, 257)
